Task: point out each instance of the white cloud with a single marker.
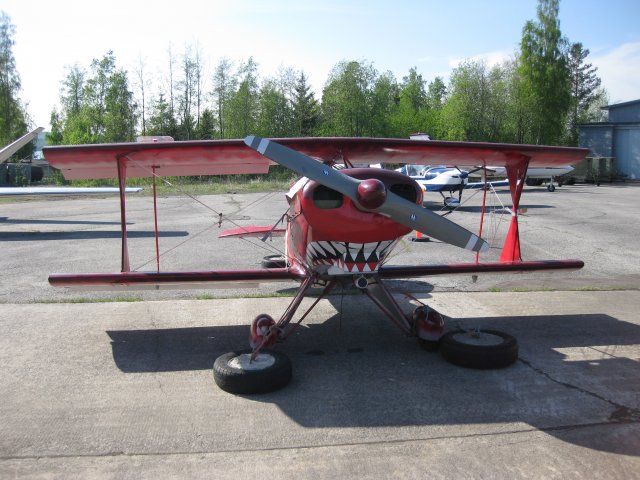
(490, 58)
(619, 70)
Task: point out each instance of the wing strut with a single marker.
(155, 217)
(517, 165)
(122, 180)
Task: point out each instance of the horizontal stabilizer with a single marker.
(252, 231)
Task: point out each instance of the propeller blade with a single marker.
(397, 208)
(425, 221)
(304, 165)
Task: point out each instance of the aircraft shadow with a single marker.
(357, 370)
(415, 287)
(55, 222)
(82, 235)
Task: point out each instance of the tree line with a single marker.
(538, 97)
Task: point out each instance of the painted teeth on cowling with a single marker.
(323, 249)
(342, 253)
(339, 247)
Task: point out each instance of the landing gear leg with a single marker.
(260, 370)
(551, 187)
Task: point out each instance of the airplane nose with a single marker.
(371, 193)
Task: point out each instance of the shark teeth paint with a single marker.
(348, 257)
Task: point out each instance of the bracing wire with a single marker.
(220, 217)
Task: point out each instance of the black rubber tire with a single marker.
(274, 261)
(429, 345)
(240, 381)
(473, 355)
(551, 187)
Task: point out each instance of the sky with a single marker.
(433, 36)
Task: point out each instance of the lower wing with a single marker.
(405, 271)
(167, 280)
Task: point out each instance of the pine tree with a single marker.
(584, 89)
(305, 108)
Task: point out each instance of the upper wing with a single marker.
(432, 152)
(219, 157)
(209, 157)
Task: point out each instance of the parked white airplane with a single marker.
(453, 179)
(535, 176)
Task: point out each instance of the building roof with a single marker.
(609, 124)
(622, 104)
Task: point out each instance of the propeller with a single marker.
(370, 195)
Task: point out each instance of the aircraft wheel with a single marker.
(429, 345)
(551, 187)
(234, 372)
(482, 349)
(274, 261)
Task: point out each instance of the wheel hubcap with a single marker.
(479, 339)
(244, 362)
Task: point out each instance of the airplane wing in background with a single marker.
(36, 191)
(13, 147)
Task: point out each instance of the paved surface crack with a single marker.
(398, 441)
(621, 413)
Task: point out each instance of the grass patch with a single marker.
(92, 300)
(549, 289)
(602, 289)
(278, 179)
(529, 289)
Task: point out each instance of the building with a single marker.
(614, 145)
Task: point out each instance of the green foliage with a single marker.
(13, 116)
(584, 90)
(275, 115)
(95, 109)
(305, 108)
(160, 121)
(477, 106)
(241, 109)
(347, 100)
(224, 84)
(537, 97)
(206, 126)
(545, 74)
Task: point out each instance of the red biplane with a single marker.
(341, 225)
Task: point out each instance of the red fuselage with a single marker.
(327, 232)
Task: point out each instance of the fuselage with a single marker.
(328, 233)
